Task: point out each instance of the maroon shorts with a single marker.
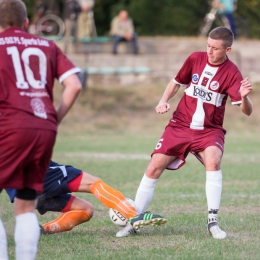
(24, 157)
(179, 141)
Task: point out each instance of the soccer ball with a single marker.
(118, 218)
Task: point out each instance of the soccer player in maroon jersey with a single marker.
(197, 124)
(28, 119)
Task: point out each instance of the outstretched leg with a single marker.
(76, 211)
(112, 198)
(146, 188)
(115, 199)
(144, 196)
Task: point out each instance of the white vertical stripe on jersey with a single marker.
(199, 115)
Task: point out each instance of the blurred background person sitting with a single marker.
(86, 21)
(226, 10)
(122, 29)
(71, 13)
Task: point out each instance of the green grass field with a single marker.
(110, 133)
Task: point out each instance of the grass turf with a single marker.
(94, 139)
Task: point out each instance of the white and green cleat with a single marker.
(147, 218)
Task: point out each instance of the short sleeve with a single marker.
(184, 75)
(234, 88)
(64, 67)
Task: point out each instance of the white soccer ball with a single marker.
(118, 218)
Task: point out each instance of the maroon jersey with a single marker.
(207, 89)
(28, 68)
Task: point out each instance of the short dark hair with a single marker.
(224, 34)
(12, 13)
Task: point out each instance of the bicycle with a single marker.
(242, 24)
(208, 20)
(49, 25)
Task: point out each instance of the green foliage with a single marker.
(29, 5)
(166, 17)
(172, 17)
(250, 10)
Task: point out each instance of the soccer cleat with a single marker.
(127, 230)
(42, 230)
(147, 218)
(214, 228)
(217, 233)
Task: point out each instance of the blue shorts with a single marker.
(57, 178)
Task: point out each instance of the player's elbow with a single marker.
(73, 83)
(247, 107)
(78, 87)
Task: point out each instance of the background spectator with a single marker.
(226, 10)
(71, 13)
(122, 29)
(86, 22)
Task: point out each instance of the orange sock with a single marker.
(66, 221)
(112, 198)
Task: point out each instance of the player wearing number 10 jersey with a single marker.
(28, 119)
(196, 126)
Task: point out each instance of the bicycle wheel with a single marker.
(51, 25)
(208, 21)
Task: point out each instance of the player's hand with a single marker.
(162, 107)
(245, 87)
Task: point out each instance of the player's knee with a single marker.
(89, 209)
(154, 170)
(80, 204)
(26, 194)
(212, 165)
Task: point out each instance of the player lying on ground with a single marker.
(61, 180)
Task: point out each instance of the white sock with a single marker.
(144, 193)
(213, 189)
(26, 235)
(3, 242)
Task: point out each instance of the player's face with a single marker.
(216, 52)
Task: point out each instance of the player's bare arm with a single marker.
(169, 92)
(72, 88)
(246, 105)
